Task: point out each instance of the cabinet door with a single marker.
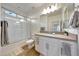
(66, 49)
(49, 46)
(54, 47)
(37, 47)
(74, 49)
(42, 41)
(69, 48)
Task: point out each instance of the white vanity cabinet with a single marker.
(50, 46)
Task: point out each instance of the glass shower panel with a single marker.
(17, 30)
(18, 26)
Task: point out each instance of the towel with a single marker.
(4, 33)
(74, 21)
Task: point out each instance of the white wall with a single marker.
(35, 26)
(28, 29)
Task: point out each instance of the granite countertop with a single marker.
(58, 36)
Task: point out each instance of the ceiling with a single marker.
(30, 9)
(26, 9)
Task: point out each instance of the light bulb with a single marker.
(48, 10)
(53, 8)
(44, 11)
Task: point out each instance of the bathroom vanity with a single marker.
(55, 44)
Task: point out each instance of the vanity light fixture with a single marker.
(53, 8)
(44, 11)
(49, 9)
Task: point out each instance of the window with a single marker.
(56, 26)
(10, 13)
(14, 16)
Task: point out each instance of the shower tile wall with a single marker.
(16, 31)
